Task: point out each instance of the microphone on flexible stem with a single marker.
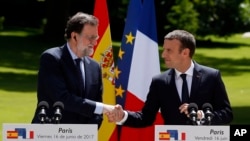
(207, 109)
(58, 107)
(42, 106)
(192, 110)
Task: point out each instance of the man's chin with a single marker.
(90, 52)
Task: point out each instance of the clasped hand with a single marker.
(114, 113)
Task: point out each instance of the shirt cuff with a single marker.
(98, 108)
(124, 118)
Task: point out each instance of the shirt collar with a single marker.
(72, 54)
(189, 71)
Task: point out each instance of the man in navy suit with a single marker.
(58, 78)
(204, 85)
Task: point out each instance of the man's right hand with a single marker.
(107, 108)
(116, 114)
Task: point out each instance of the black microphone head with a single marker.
(192, 111)
(43, 104)
(58, 104)
(192, 106)
(207, 106)
(207, 109)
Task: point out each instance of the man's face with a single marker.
(172, 54)
(87, 39)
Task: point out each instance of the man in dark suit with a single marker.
(204, 85)
(59, 79)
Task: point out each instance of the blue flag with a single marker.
(126, 50)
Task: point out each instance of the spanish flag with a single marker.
(104, 55)
(12, 134)
(164, 136)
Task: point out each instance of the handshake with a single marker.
(114, 113)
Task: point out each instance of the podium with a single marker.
(191, 133)
(50, 132)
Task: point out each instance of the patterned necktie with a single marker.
(185, 95)
(80, 75)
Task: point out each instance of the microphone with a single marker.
(207, 109)
(42, 106)
(192, 110)
(58, 107)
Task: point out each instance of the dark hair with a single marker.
(77, 22)
(187, 40)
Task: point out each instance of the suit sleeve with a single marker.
(221, 104)
(147, 115)
(96, 118)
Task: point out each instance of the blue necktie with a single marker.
(80, 75)
(185, 95)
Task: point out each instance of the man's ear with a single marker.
(186, 51)
(73, 34)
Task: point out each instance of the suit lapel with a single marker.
(67, 58)
(70, 64)
(196, 80)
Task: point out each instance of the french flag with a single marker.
(138, 61)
